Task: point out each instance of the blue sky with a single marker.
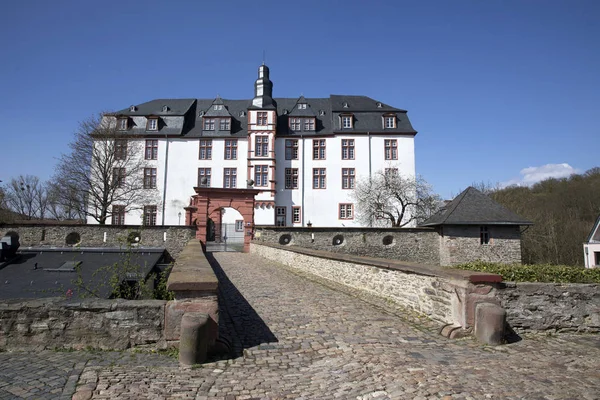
(500, 91)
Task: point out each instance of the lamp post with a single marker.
(179, 216)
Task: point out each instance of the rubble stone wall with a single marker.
(551, 307)
(420, 245)
(172, 238)
(101, 324)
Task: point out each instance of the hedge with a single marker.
(536, 272)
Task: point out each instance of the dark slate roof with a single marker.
(367, 116)
(155, 107)
(472, 207)
(20, 279)
(223, 112)
(594, 235)
(305, 112)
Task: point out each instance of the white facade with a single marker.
(290, 196)
(591, 249)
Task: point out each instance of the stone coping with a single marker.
(27, 224)
(339, 229)
(91, 304)
(192, 271)
(403, 266)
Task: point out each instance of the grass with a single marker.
(536, 272)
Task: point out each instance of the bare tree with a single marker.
(63, 206)
(26, 196)
(104, 168)
(393, 199)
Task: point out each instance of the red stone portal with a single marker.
(208, 202)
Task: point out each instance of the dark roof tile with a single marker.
(472, 207)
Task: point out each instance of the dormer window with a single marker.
(389, 121)
(346, 121)
(122, 124)
(302, 106)
(133, 108)
(295, 124)
(152, 124)
(345, 105)
(209, 124)
(165, 108)
(379, 105)
(224, 124)
(218, 107)
(309, 124)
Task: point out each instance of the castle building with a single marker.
(303, 154)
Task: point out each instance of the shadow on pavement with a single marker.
(239, 324)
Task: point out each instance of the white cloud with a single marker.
(532, 175)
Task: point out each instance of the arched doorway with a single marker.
(218, 206)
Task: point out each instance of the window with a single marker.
(391, 149)
(205, 149)
(151, 152)
(118, 215)
(484, 235)
(229, 177)
(319, 178)
(291, 178)
(261, 174)
(122, 124)
(347, 178)
(318, 149)
(149, 178)
(346, 121)
(309, 124)
(261, 118)
(152, 124)
(231, 149)
(302, 106)
(149, 215)
(120, 149)
(347, 149)
(389, 122)
(280, 216)
(209, 124)
(346, 211)
(119, 177)
(224, 124)
(291, 149)
(296, 215)
(295, 124)
(391, 171)
(262, 146)
(239, 225)
(204, 177)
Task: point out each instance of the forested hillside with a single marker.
(563, 212)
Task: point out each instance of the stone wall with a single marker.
(461, 243)
(554, 307)
(406, 244)
(445, 295)
(450, 296)
(102, 324)
(115, 324)
(172, 238)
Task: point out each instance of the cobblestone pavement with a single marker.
(294, 338)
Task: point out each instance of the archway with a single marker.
(209, 203)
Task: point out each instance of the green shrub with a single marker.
(536, 272)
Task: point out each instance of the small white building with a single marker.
(591, 248)
(304, 154)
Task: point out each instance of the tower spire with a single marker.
(263, 89)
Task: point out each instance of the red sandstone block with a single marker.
(174, 311)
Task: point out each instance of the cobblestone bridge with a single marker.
(294, 338)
